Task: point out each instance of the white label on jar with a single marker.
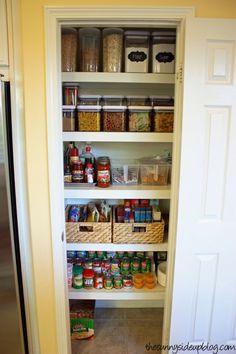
(163, 58)
(136, 60)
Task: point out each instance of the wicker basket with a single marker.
(125, 232)
(88, 232)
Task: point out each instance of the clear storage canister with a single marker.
(89, 47)
(139, 118)
(89, 100)
(163, 119)
(68, 114)
(112, 49)
(89, 118)
(114, 118)
(163, 53)
(70, 92)
(136, 51)
(68, 49)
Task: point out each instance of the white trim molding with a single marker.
(127, 16)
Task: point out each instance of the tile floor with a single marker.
(123, 331)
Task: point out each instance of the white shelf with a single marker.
(120, 192)
(118, 77)
(161, 247)
(118, 137)
(157, 293)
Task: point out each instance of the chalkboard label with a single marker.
(137, 56)
(165, 57)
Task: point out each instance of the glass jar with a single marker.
(77, 276)
(136, 51)
(89, 46)
(112, 49)
(163, 52)
(103, 172)
(77, 172)
(68, 49)
(88, 278)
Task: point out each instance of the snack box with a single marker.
(82, 319)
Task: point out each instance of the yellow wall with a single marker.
(36, 139)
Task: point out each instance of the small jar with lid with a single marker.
(112, 49)
(88, 278)
(163, 52)
(89, 48)
(77, 172)
(103, 172)
(136, 51)
(68, 49)
(68, 116)
(77, 276)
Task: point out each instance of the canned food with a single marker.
(111, 254)
(82, 254)
(92, 254)
(127, 282)
(98, 281)
(97, 265)
(146, 265)
(135, 265)
(131, 254)
(88, 264)
(118, 283)
(125, 266)
(71, 254)
(88, 278)
(79, 261)
(120, 254)
(101, 254)
(140, 254)
(115, 266)
(106, 265)
(108, 282)
(77, 277)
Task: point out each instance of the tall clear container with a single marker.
(136, 51)
(89, 48)
(112, 49)
(68, 49)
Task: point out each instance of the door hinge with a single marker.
(62, 236)
(179, 74)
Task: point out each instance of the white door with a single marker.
(204, 297)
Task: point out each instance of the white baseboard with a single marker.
(129, 304)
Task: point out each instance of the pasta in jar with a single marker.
(89, 119)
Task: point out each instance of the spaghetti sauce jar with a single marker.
(103, 172)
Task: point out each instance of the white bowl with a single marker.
(161, 273)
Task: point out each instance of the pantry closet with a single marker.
(135, 145)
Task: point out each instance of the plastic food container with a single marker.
(68, 116)
(70, 94)
(137, 100)
(124, 173)
(113, 100)
(114, 118)
(163, 52)
(163, 119)
(89, 100)
(89, 118)
(112, 49)
(161, 273)
(154, 174)
(139, 118)
(89, 47)
(161, 101)
(136, 51)
(68, 49)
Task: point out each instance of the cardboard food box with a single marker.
(82, 319)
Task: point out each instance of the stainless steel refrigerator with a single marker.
(13, 337)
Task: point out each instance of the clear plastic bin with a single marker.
(68, 116)
(89, 118)
(70, 93)
(136, 51)
(124, 172)
(139, 118)
(89, 100)
(114, 118)
(89, 48)
(163, 119)
(138, 100)
(163, 52)
(68, 49)
(113, 100)
(161, 101)
(154, 174)
(112, 49)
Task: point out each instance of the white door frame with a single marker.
(103, 16)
